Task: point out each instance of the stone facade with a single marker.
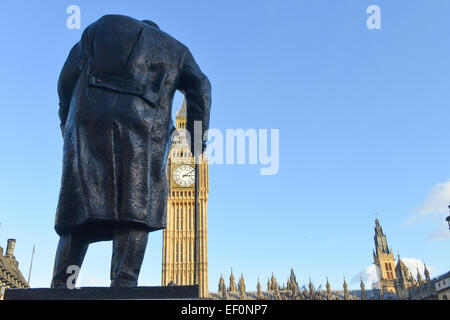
(10, 275)
(399, 284)
(442, 286)
(287, 291)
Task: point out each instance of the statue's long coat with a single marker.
(116, 90)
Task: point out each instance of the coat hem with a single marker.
(103, 228)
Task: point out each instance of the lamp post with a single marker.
(448, 219)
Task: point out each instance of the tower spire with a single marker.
(258, 291)
(346, 297)
(419, 276)
(311, 289)
(221, 283)
(242, 287)
(426, 273)
(182, 112)
(328, 290)
(363, 289)
(232, 287)
(384, 260)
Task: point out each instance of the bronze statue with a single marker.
(116, 90)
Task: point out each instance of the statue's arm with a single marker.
(195, 86)
(70, 73)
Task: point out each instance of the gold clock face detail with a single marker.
(184, 175)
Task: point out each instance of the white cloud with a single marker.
(413, 264)
(435, 209)
(437, 201)
(369, 275)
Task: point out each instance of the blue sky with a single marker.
(363, 119)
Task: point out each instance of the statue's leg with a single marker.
(71, 252)
(128, 253)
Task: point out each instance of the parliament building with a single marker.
(394, 281)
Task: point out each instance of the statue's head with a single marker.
(151, 23)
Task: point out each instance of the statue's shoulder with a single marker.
(115, 21)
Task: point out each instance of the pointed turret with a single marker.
(273, 281)
(241, 287)
(311, 289)
(346, 297)
(277, 295)
(182, 112)
(363, 289)
(328, 290)
(258, 291)
(293, 285)
(292, 278)
(380, 239)
(221, 283)
(401, 269)
(223, 290)
(427, 273)
(419, 277)
(232, 287)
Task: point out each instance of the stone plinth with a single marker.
(104, 293)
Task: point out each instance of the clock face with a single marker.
(184, 175)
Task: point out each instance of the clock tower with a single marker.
(179, 236)
(384, 261)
